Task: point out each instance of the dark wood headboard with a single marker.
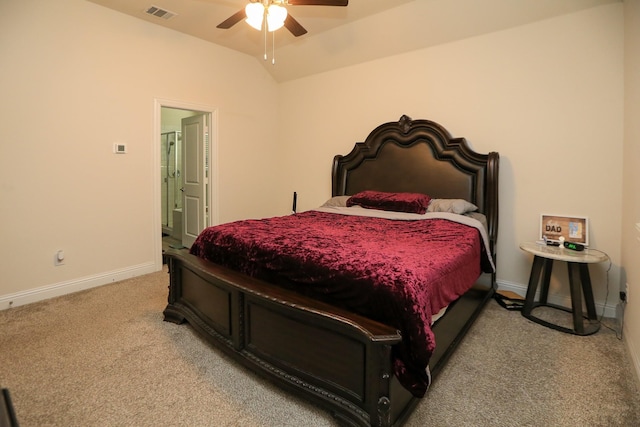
(420, 156)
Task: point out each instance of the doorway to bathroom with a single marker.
(186, 175)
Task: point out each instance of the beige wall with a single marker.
(631, 188)
(76, 78)
(547, 96)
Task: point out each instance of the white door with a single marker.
(194, 178)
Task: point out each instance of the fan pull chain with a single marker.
(273, 46)
(264, 25)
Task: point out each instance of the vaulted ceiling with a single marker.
(343, 36)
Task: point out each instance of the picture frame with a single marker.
(573, 228)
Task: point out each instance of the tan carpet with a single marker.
(104, 357)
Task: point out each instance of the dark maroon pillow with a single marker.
(397, 202)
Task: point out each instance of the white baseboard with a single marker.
(608, 309)
(633, 350)
(75, 285)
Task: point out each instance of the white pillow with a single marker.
(457, 206)
(336, 202)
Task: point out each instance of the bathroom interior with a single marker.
(170, 185)
(171, 173)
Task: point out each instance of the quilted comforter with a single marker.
(396, 271)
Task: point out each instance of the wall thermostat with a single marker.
(119, 148)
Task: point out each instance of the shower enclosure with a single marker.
(171, 180)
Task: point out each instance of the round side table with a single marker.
(579, 285)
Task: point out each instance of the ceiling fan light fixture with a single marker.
(255, 15)
(275, 17)
(275, 13)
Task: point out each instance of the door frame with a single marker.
(212, 114)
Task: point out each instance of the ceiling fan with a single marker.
(275, 14)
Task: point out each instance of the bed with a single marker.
(349, 361)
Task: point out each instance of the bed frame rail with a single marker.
(338, 359)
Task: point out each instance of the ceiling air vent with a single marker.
(160, 13)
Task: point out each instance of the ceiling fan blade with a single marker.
(294, 26)
(318, 2)
(232, 20)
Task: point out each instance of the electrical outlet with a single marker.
(626, 291)
(58, 258)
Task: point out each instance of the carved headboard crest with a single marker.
(405, 123)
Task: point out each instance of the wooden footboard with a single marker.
(339, 360)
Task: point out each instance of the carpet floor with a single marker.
(105, 357)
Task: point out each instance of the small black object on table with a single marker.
(579, 284)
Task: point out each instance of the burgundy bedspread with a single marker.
(396, 272)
